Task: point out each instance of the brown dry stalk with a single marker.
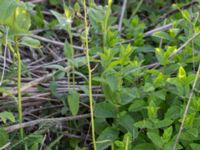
(48, 120)
(35, 82)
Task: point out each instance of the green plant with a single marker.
(89, 75)
(15, 16)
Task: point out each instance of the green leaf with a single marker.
(127, 122)
(77, 7)
(34, 138)
(80, 61)
(113, 79)
(15, 16)
(105, 110)
(181, 73)
(112, 97)
(100, 124)
(195, 146)
(54, 66)
(180, 88)
(128, 95)
(73, 101)
(68, 51)
(82, 148)
(144, 124)
(162, 35)
(186, 15)
(63, 21)
(137, 105)
(106, 138)
(119, 144)
(68, 12)
(155, 138)
(174, 31)
(22, 20)
(35, 146)
(53, 88)
(3, 137)
(193, 131)
(189, 119)
(161, 94)
(167, 134)
(125, 53)
(7, 9)
(152, 110)
(159, 55)
(38, 18)
(96, 15)
(162, 123)
(160, 80)
(144, 146)
(173, 112)
(7, 116)
(148, 87)
(30, 42)
(170, 144)
(190, 134)
(54, 2)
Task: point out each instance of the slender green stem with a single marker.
(69, 30)
(112, 147)
(127, 143)
(68, 79)
(19, 86)
(16, 52)
(69, 63)
(73, 68)
(89, 77)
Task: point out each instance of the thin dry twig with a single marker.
(122, 16)
(55, 42)
(5, 146)
(48, 120)
(35, 82)
(43, 140)
(37, 1)
(185, 44)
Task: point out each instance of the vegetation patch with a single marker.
(99, 75)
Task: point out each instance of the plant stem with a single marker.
(122, 16)
(19, 86)
(19, 104)
(127, 143)
(89, 77)
(72, 64)
(16, 51)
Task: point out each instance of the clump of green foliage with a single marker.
(148, 74)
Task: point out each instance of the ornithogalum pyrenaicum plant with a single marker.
(15, 19)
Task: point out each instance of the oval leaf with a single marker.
(73, 101)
